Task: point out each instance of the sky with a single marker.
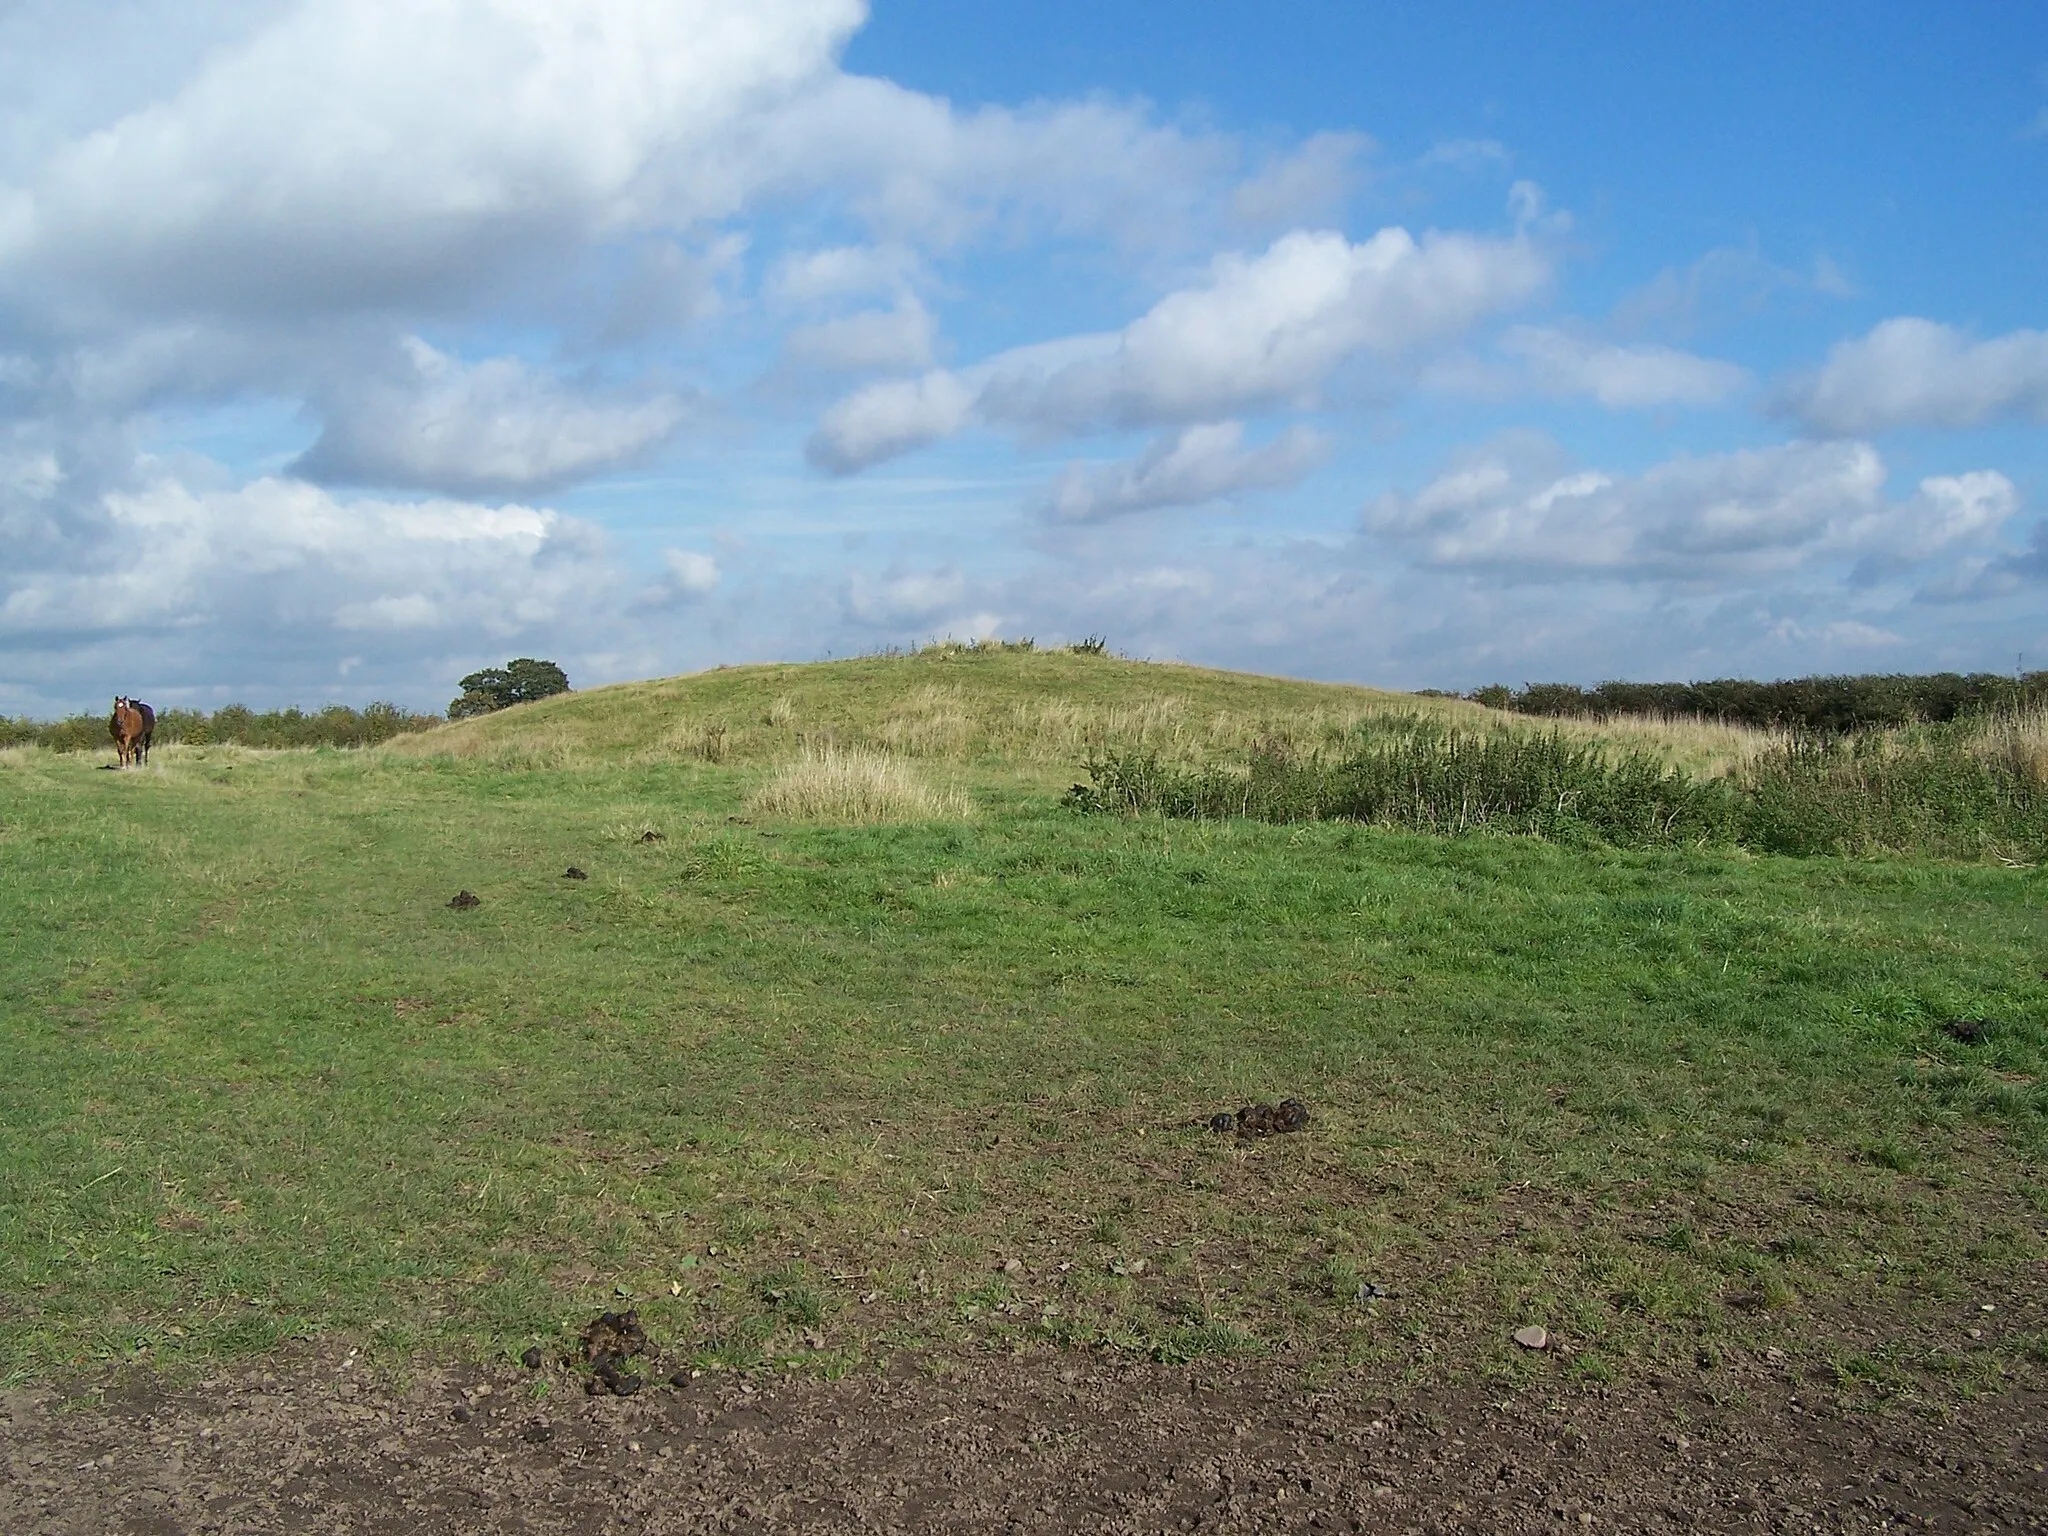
(348, 347)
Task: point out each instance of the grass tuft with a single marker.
(857, 784)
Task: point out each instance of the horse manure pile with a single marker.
(1262, 1119)
(609, 1342)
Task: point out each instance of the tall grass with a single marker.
(1947, 792)
(855, 784)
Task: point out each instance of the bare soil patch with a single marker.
(314, 1443)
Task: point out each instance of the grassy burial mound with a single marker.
(856, 1038)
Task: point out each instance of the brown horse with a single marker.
(132, 726)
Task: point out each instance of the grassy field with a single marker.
(803, 1088)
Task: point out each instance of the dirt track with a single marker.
(1059, 1444)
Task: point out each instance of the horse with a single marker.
(132, 727)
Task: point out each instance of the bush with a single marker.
(517, 682)
(334, 726)
(1826, 704)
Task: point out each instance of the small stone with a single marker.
(531, 1359)
(461, 1414)
(1533, 1337)
(484, 1390)
(680, 1379)
(537, 1434)
(1013, 1267)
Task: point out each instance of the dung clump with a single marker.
(611, 1339)
(1263, 1119)
(573, 873)
(462, 901)
(1968, 1031)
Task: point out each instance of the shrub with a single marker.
(1827, 704)
(232, 724)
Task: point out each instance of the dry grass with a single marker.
(856, 784)
(1044, 715)
(2018, 740)
(1709, 749)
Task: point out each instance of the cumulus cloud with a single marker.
(1517, 508)
(348, 154)
(1187, 468)
(1271, 328)
(290, 559)
(884, 420)
(1263, 330)
(687, 576)
(498, 425)
(1910, 372)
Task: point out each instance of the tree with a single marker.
(517, 682)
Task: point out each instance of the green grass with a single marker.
(800, 1090)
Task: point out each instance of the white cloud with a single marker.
(1187, 468)
(1947, 512)
(1910, 372)
(288, 559)
(349, 153)
(1517, 508)
(1263, 330)
(1630, 377)
(688, 576)
(916, 170)
(841, 271)
(1726, 282)
(873, 340)
(498, 425)
(1309, 183)
(884, 420)
(906, 597)
(1835, 635)
(1270, 329)
(1469, 155)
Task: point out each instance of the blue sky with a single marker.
(343, 350)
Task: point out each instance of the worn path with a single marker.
(1052, 1444)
